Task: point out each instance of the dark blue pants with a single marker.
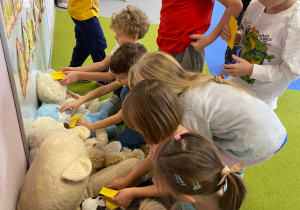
(90, 40)
(128, 137)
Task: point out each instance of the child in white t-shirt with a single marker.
(270, 57)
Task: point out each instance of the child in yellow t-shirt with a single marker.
(89, 35)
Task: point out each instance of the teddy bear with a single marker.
(59, 173)
(39, 130)
(52, 110)
(111, 154)
(58, 177)
(52, 95)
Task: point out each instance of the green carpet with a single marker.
(272, 185)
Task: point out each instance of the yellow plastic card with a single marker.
(75, 118)
(109, 203)
(58, 75)
(234, 27)
(108, 192)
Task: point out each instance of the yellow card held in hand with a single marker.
(108, 192)
(109, 203)
(75, 118)
(58, 75)
(233, 29)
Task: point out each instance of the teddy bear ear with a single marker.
(78, 170)
(82, 132)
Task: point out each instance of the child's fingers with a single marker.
(63, 108)
(238, 59)
(230, 72)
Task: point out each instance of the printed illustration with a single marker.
(8, 15)
(22, 68)
(18, 5)
(254, 51)
(26, 44)
(30, 31)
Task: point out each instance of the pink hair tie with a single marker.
(177, 137)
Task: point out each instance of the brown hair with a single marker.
(162, 66)
(192, 166)
(130, 20)
(152, 109)
(125, 56)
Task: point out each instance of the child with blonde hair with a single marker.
(129, 25)
(270, 56)
(241, 125)
(191, 168)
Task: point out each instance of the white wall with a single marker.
(12, 157)
(13, 164)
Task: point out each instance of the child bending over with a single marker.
(191, 168)
(244, 127)
(121, 61)
(152, 109)
(129, 25)
(270, 58)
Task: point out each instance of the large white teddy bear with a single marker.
(58, 175)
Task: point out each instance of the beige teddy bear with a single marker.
(59, 173)
(111, 154)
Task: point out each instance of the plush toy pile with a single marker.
(66, 165)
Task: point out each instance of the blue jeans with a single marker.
(90, 40)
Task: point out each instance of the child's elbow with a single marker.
(238, 6)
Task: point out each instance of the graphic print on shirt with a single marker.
(255, 49)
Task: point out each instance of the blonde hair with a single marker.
(164, 67)
(149, 204)
(130, 20)
(152, 109)
(192, 166)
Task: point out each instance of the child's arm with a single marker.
(142, 169)
(233, 8)
(94, 67)
(73, 76)
(100, 91)
(112, 120)
(125, 196)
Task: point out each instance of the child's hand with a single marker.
(70, 78)
(226, 33)
(124, 197)
(83, 122)
(74, 105)
(241, 68)
(63, 69)
(118, 184)
(201, 41)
